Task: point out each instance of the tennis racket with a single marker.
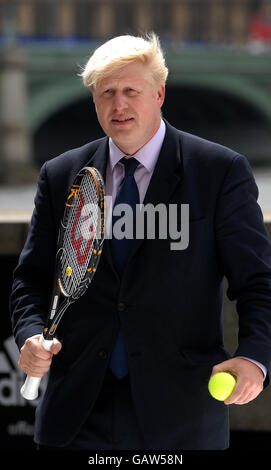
(79, 248)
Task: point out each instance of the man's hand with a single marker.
(34, 359)
(249, 376)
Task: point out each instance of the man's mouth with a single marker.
(122, 120)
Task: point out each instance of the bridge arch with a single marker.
(240, 88)
(51, 99)
(242, 101)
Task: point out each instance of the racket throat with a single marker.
(54, 306)
(50, 329)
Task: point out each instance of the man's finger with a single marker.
(244, 392)
(33, 346)
(56, 346)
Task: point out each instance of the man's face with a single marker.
(128, 106)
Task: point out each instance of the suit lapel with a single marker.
(167, 172)
(166, 176)
(100, 157)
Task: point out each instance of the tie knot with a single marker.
(130, 165)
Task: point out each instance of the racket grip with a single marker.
(30, 388)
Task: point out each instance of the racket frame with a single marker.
(59, 291)
(29, 389)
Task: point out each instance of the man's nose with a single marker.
(119, 101)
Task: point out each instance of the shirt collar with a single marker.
(147, 155)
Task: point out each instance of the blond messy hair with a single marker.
(122, 50)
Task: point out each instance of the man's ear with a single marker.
(161, 95)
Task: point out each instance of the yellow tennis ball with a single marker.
(221, 385)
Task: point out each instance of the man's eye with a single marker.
(108, 92)
(131, 91)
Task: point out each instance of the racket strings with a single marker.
(82, 230)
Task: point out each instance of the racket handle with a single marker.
(30, 388)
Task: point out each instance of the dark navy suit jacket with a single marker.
(169, 303)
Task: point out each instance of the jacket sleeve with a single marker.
(33, 276)
(245, 252)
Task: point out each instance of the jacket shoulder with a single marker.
(200, 152)
(207, 160)
(76, 157)
(209, 152)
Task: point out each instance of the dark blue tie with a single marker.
(128, 194)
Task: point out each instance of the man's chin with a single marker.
(127, 145)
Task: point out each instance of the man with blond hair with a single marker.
(133, 357)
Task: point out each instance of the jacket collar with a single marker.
(166, 176)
